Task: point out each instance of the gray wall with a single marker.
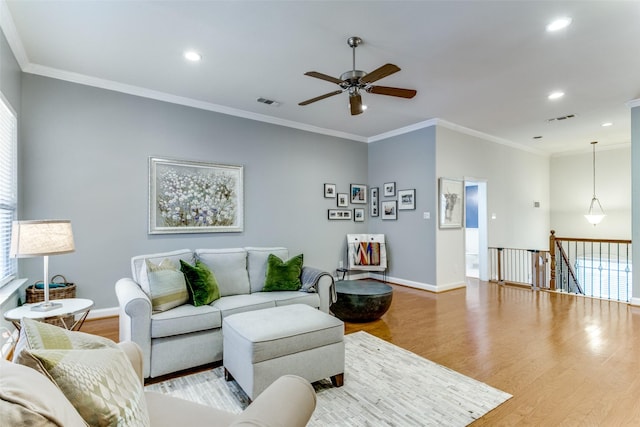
(10, 75)
(409, 161)
(83, 156)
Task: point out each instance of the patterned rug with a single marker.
(384, 385)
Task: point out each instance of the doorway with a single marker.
(476, 247)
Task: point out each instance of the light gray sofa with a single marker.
(187, 336)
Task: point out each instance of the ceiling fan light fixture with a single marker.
(355, 81)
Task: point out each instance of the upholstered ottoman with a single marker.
(260, 346)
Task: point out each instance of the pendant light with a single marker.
(596, 213)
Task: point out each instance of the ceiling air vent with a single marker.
(268, 102)
(568, 116)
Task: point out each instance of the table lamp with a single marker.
(42, 238)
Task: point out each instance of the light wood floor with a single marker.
(566, 360)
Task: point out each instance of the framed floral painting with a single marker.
(194, 197)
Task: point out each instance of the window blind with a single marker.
(8, 187)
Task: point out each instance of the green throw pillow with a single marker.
(100, 383)
(201, 283)
(283, 276)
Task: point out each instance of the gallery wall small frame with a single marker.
(451, 203)
(343, 200)
(406, 199)
(389, 189)
(374, 206)
(358, 194)
(389, 209)
(330, 191)
(358, 214)
(339, 214)
(194, 197)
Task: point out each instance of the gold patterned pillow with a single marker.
(35, 335)
(100, 383)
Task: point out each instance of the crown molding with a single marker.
(633, 103)
(11, 34)
(180, 100)
(403, 130)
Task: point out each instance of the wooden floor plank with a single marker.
(567, 360)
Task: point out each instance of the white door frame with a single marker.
(483, 245)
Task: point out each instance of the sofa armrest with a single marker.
(134, 354)
(323, 283)
(135, 318)
(288, 402)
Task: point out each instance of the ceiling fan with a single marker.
(356, 81)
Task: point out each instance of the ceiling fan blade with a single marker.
(392, 91)
(318, 98)
(321, 76)
(355, 102)
(379, 73)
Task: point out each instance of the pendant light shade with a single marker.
(595, 213)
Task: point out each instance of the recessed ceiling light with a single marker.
(559, 24)
(556, 95)
(192, 56)
(607, 124)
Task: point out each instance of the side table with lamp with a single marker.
(43, 238)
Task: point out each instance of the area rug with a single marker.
(384, 385)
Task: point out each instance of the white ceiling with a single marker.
(487, 66)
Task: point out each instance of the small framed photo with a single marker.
(335, 214)
(358, 214)
(389, 189)
(329, 191)
(343, 200)
(358, 194)
(373, 202)
(389, 209)
(406, 199)
(451, 200)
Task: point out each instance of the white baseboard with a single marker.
(635, 302)
(419, 285)
(103, 312)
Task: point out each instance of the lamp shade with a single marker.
(40, 238)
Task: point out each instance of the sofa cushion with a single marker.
(28, 398)
(139, 268)
(202, 284)
(167, 285)
(185, 319)
(283, 275)
(100, 383)
(230, 268)
(241, 303)
(290, 297)
(257, 264)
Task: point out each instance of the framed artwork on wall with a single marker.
(451, 200)
(373, 201)
(343, 200)
(335, 214)
(194, 197)
(406, 199)
(389, 209)
(389, 189)
(358, 194)
(329, 191)
(358, 214)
